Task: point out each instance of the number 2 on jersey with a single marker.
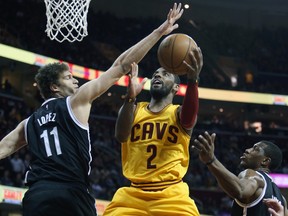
(53, 133)
(153, 150)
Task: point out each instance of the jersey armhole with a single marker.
(68, 103)
(25, 130)
(259, 199)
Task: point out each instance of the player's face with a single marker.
(252, 157)
(68, 85)
(162, 83)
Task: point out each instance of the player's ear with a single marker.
(54, 88)
(266, 161)
(176, 87)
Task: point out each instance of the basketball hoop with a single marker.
(66, 19)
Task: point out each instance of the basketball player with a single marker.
(58, 134)
(253, 184)
(155, 139)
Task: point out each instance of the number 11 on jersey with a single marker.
(53, 133)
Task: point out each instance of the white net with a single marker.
(66, 19)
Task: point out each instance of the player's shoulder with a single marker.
(252, 175)
(248, 173)
(51, 105)
(141, 105)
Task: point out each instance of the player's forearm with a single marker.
(190, 106)
(5, 149)
(124, 121)
(89, 91)
(226, 180)
(138, 51)
(12, 141)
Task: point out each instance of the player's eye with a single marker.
(166, 74)
(256, 148)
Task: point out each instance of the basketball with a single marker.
(173, 50)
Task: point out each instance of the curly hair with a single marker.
(48, 75)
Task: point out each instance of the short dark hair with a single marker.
(274, 153)
(176, 79)
(48, 75)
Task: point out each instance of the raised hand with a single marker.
(169, 25)
(134, 87)
(205, 146)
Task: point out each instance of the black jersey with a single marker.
(258, 208)
(59, 145)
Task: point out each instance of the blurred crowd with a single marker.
(106, 175)
(263, 68)
(239, 58)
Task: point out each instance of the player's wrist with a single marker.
(210, 161)
(129, 99)
(193, 80)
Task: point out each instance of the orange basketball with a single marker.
(173, 50)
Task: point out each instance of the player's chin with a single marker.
(243, 164)
(156, 86)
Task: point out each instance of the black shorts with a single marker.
(58, 199)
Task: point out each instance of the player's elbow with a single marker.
(120, 137)
(125, 65)
(188, 124)
(240, 195)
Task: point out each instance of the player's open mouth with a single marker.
(157, 82)
(243, 156)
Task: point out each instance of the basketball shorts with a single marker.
(171, 201)
(52, 198)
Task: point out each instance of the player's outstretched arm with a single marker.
(13, 141)
(241, 187)
(81, 101)
(139, 50)
(126, 112)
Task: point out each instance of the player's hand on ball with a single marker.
(173, 54)
(196, 65)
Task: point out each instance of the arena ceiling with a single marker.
(251, 13)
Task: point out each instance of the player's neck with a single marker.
(158, 105)
(266, 170)
(59, 95)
